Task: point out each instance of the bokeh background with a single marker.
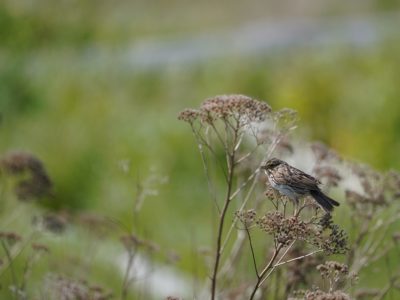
(93, 89)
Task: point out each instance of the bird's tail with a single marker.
(323, 200)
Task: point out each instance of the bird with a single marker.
(294, 183)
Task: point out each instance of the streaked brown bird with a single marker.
(294, 183)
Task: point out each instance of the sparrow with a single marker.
(294, 183)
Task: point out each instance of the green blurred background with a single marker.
(89, 86)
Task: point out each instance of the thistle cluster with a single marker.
(37, 184)
(239, 107)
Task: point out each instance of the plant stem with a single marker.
(231, 157)
(13, 275)
(265, 270)
(222, 215)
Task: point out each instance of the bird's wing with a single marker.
(287, 175)
(302, 179)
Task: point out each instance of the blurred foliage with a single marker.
(67, 95)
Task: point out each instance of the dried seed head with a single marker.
(60, 287)
(237, 106)
(131, 242)
(333, 240)
(367, 293)
(189, 115)
(37, 185)
(299, 272)
(322, 152)
(360, 202)
(332, 269)
(40, 248)
(392, 183)
(10, 237)
(321, 295)
(396, 237)
(246, 217)
(285, 230)
(54, 222)
(329, 173)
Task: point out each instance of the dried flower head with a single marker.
(40, 248)
(330, 174)
(53, 222)
(63, 288)
(321, 295)
(360, 203)
(189, 115)
(285, 230)
(131, 241)
(392, 183)
(322, 152)
(331, 238)
(10, 237)
(285, 145)
(366, 293)
(333, 269)
(373, 182)
(173, 257)
(97, 224)
(396, 237)
(300, 271)
(323, 234)
(38, 183)
(247, 217)
(239, 107)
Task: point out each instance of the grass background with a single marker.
(67, 95)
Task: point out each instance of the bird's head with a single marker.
(270, 164)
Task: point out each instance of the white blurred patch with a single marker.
(157, 281)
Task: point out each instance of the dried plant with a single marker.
(64, 288)
(224, 122)
(130, 240)
(304, 227)
(13, 245)
(337, 275)
(247, 131)
(34, 182)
